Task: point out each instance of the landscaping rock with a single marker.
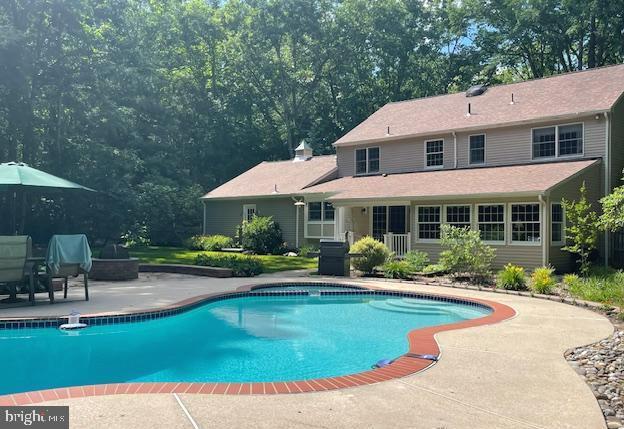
(602, 366)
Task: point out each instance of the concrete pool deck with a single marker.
(507, 375)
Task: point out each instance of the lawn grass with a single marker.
(179, 255)
(605, 286)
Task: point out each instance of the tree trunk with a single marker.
(591, 49)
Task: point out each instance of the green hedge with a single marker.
(241, 265)
(209, 242)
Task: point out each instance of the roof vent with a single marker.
(476, 90)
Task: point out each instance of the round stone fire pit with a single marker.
(114, 263)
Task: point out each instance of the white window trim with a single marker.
(355, 173)
(320, 222)
(510, 223)
(470, 207)
(557, 156)
(563, 224)
(246, 208)
(416, 223)
(433, 167)
(502, 242)
(484, 148)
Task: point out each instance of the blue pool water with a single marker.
(248, 339)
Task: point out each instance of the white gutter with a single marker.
(607, 189)
(544, 230)
(455, 148)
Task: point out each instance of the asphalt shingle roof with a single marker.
(515, 179)
(276, 178)
(565, 95)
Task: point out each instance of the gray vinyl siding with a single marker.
(504, 146)
(565, 261)
(224, 216)
(617, 144)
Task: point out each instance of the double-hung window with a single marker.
(434, 153)
(557, 230)
(320, 219)
(428, 220)
(544, 142)
(458, 216)
(570, 139)
(477, 149)
(367, 160)
(559, 140)
(491, 222)
(525, 223)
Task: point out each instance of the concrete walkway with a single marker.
(508, 375)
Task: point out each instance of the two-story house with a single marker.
(496, 159)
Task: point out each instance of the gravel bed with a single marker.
(602, 366)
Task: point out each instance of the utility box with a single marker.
(334, 259)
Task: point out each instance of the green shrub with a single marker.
(465, 254)
(606, 286)
(397, 270)
(261, 235)
(241, 265)
(434, 269)
(571, 281)
(374, 254)
(209, 242)
(304, 250)
(416, 260)
(511, 277)
(542, 280)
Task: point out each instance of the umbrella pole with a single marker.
(23, 214)
(14, 230)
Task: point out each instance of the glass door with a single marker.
(397, 219)
(379, 222)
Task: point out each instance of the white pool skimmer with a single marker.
(73, 322)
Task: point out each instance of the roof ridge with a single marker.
(558, 75)
(290, 160)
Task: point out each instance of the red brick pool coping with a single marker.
(421, 342)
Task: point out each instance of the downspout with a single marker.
(544, 230)
(455, 149)
(607, 189)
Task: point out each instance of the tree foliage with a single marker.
(151, 101)
(581, 229)
(612, 217)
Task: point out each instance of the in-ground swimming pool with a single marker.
(243, 339)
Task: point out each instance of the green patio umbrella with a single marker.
(16, 177)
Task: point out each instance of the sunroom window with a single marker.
(428, 219)
(525, 223)
(315, 211)
(491, 220)
(458, 216)
(320, 219)
(367, 160)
